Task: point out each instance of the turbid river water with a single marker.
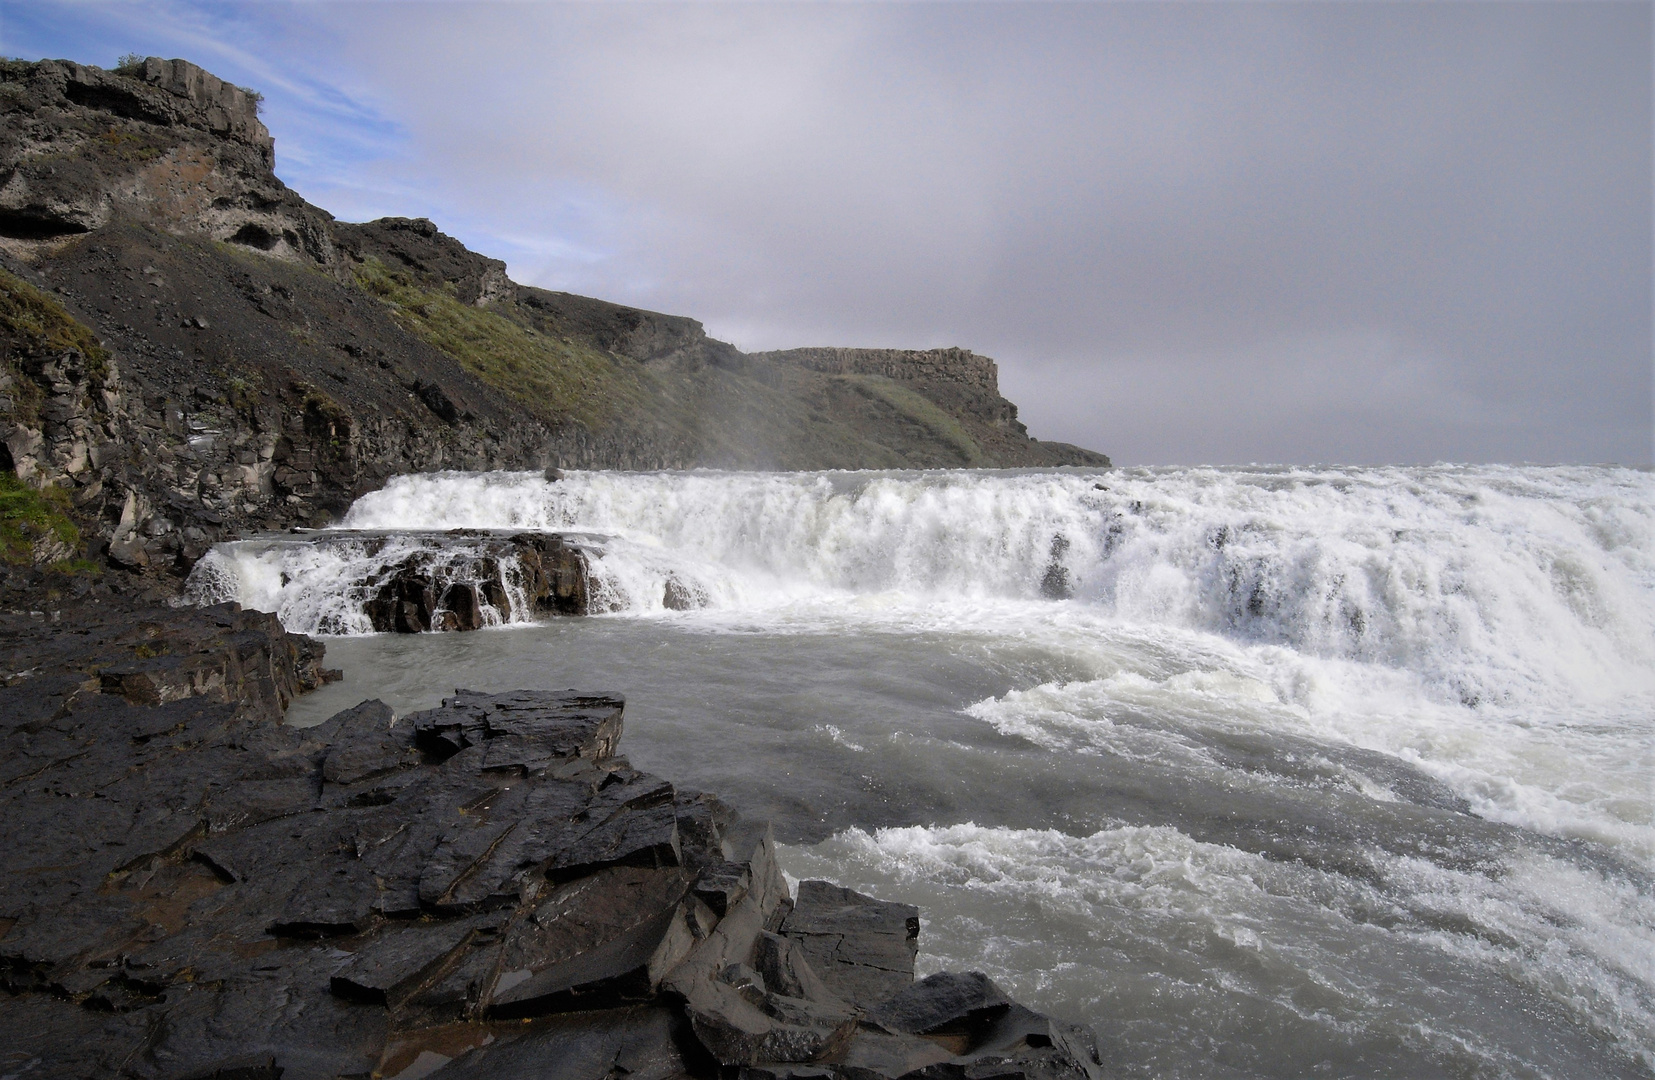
(1262, 773)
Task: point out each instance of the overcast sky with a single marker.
(1189, 233)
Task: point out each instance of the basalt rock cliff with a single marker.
(192, 351)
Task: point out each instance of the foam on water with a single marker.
(1078, 919)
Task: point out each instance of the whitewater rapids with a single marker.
(1262, 772)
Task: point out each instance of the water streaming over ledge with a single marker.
(1306, 749)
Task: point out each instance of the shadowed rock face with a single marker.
(194, 889)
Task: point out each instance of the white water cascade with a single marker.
(1333, 642)
(1494, 583)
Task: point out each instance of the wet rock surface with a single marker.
(547, 572)
(195, 889)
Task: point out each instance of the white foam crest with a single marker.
(1218, 921)
(1496, 584)
(322, 585)
(1571, 771)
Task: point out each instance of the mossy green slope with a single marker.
(753, 414)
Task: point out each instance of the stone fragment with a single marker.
(337, 897)
(462, 607)
(701, 823)
(365, 742)
(876, 1053)
(545, 824)
(401, 960)
(983, 1032)
(444, 732)
(722, 885)
(468, 841)
(542, 726)
(863, 948)
(407, 601)
(642, 1042)
(944, 1003)
(630, 836)
(458, 992)
(607, 937)
(568, 724)
(738, 1019)
(253, 802)
(782, 965)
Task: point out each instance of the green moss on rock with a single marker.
(32, 522)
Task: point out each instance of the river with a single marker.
(1260, 772)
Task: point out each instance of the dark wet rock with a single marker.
(1055, 583)
(464, 582)
(401, 961)
(944, 1003)
(597, 942)
(863, 948)
(366, 742)
(644, 1042)
(552, 724)
(335, 898)
(721, 885)
(461, 607)
(702, 820)
(980, 1029)
(739, 1019)
(195, 889)
(406, 603)
(631, 822)
(556, 572)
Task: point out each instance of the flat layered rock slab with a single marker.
(255, 897)
(645, 1042)
(560, 724)
(863, 948)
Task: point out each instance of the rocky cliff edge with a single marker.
(190, 351)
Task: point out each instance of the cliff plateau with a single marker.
(192, 351)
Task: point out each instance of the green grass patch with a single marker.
(27, 515)
(923, 411)
(36, 325)
(556, 380)
(31, 314)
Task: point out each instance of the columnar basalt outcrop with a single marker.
(915, 365)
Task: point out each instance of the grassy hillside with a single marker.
(748, 414)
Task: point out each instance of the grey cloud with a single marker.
(1188, 232)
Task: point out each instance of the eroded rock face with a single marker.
(197, 891)
(164, 142)
(429, 591)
